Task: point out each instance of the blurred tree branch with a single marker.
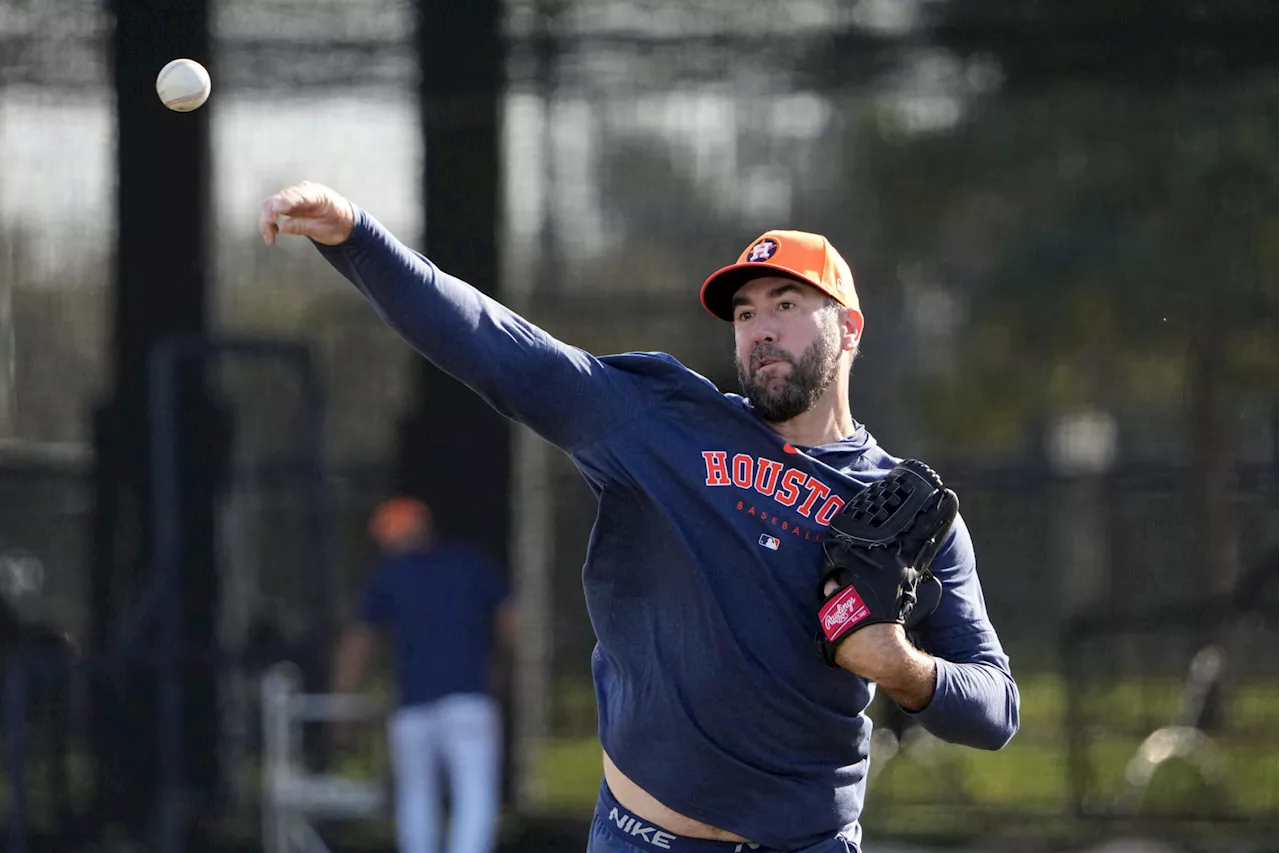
(1116, 252)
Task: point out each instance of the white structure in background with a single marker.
(1085, 442)
(292, 796)
(1083, 448)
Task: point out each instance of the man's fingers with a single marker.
(287, 202)
(267, 228)
(274, 207)
(307, 209)
(299, 226)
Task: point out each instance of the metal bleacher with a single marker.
(294, 797)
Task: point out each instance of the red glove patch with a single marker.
(842, 613)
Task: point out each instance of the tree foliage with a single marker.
(1102, 239)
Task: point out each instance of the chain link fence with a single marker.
(1065, 248)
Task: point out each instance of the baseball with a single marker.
(183, 85)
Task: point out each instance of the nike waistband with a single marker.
(645, 835)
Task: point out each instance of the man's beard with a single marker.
(800, 391)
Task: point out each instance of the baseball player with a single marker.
(445, 609)
(756, 560)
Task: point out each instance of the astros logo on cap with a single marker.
(762, 251)
(800, 255)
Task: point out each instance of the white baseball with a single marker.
(183, 85)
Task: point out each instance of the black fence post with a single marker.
(462, 71)
(160, 286)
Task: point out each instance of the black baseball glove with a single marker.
(878, 551)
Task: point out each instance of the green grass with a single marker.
(568, 775)
(943, 786)
(933, 790)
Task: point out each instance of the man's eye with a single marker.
(785, 305)
(745, 315)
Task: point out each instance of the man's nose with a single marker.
(765, 333)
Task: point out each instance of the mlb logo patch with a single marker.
(762, 251)
(769, 542)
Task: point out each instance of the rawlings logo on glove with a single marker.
(877, 553)
(843, 612)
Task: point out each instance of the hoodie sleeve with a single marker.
(975, 701)
(566, 395)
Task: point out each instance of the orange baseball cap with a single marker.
(806, 257)
(398, 517)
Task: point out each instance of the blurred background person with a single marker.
(447, 611)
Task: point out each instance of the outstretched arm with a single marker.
(351, 658)
(563, 393)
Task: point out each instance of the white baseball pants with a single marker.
(460, 735)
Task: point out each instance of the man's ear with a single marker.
(850, 329)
